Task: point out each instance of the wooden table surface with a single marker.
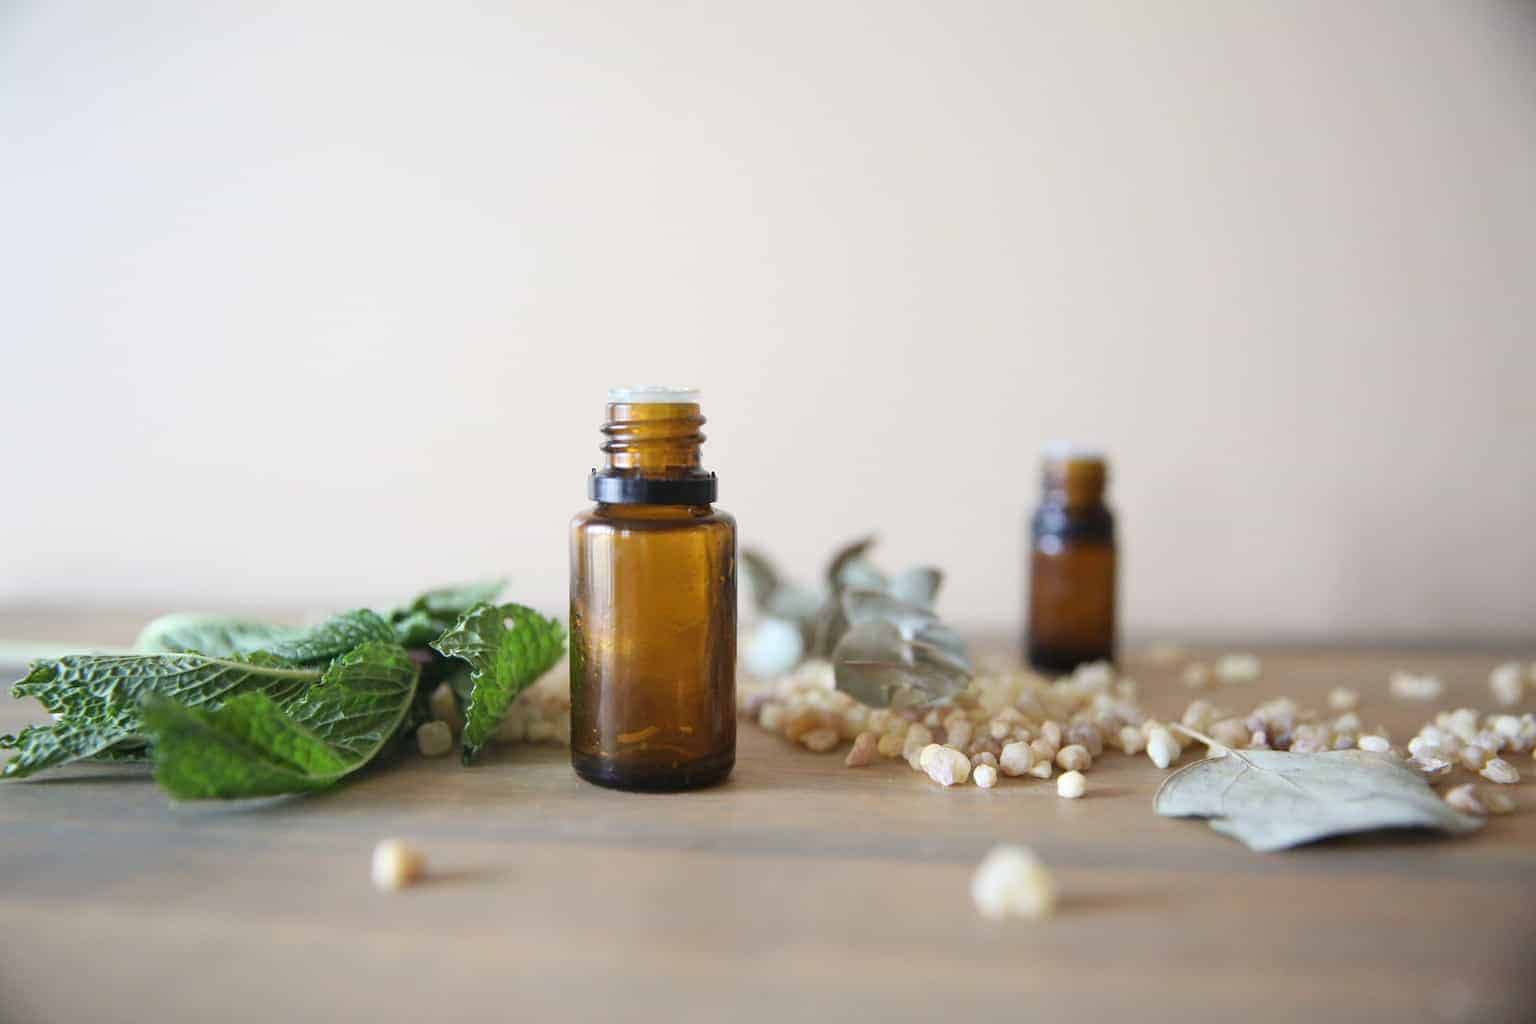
(799, 889)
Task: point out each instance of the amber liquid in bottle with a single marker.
(1071, 565)
(653, 606)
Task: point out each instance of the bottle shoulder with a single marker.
(653, 517)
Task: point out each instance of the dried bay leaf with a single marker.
(1274, 799)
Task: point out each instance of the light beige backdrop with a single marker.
(307, 303)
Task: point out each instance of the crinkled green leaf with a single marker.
(221, 637)
(1274, 799)
(430, 613)
(252, 746)
(418, 629)
(508, 647)
(458, 599)
(96, 698)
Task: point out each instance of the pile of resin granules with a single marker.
(1012, 722)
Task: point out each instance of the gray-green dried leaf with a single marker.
(1274, 799)
(861, 606)
(849, 568)
(763, 579)
(918, 585)
(879, 666)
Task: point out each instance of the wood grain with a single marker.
(799, 889)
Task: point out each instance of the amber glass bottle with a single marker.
(1071, 564)
(653, 605)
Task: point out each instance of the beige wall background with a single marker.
(311, 303)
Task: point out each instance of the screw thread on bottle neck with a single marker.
(658, 440)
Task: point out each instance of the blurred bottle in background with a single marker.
(1071, 563)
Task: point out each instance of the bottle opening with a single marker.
(1071, 451)
(653, 394)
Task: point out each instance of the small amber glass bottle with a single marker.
(653, 605)
(1071, 564)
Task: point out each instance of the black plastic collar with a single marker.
(639, 490)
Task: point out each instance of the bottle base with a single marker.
(1061, 661)
(706, 771)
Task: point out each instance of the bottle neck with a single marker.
(651, 456)
(653, 439)
(1074, 483)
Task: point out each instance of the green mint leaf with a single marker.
(457, 600)
(221, 637)
(96, 698)
(430, 613)
(251, 746)
(361, 700)
(508, 647)
(46, 746)
(418, 629)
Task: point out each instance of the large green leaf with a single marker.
(97, 698)
(253, 747)
(508, 647)
(221, 637)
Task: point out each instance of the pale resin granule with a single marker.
(1342, 698)
(1011, 882)
(434, 739)
(1507, 682)
(397, 864)
(1162, 748)
(944, 765)
(1500, 771)
(1407, 686)
(864, 751)
(1071, 785)
(1016, 758)
(1465, 798)
(1238, 668)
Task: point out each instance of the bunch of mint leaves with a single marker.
(225, 708)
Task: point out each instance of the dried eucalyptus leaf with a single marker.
(849, 567)
(918, 585)
(876, 665)
(1274, 799)
(828, 629)
(945, 644)
(862, 573)
(763, 578)
(797, 604)
(860, 606)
